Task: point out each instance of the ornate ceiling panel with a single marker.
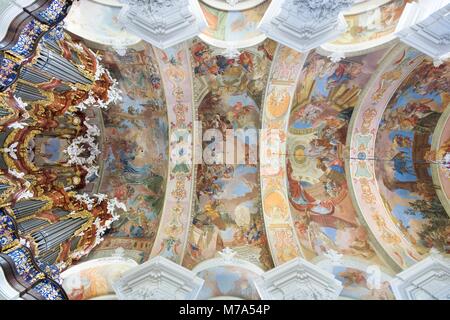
(135, 157)
(93, 279)
(163, 23)
(321, 206)
(177, 78)
(227, 276)
(349, 175)
(403, 144)
(233, 29)
(371, 24)
(226, 210)
(98, 22)
(360, 166)
(280, 92)
(425, 25)
(304, 25)
(440, 159)
(360, 279)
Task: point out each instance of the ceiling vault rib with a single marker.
(175, 69)
(390, 242)
(438, 170)
(284, 76)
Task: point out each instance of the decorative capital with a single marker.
(428, 279)
(158, 279)
(298, 279)
(304, 24)
(155, 10)
(425, 26)
(163, 23)
(321, 9)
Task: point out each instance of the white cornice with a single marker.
(304, 24)
(163, 23)
(428, 279)
(227, 5)
(94, 21)
(158, 279)
(425, 26)
(298, 279)
(365, 6)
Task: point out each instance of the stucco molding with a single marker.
(163, 23)
(359, 167)
(233, 5)
(282, 83)
(158, 279)
(298, 279)
(171, 239)
(425, 26)
(304, 24)
(429, 279)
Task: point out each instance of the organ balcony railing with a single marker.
(22, 25)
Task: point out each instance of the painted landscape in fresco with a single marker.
(135, 152)
(323, 213)
(372, 24)
(404, 140)
(227, 209)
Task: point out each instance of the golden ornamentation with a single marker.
(368, 117)
(366, 192)
(278, 102)
(276, 205)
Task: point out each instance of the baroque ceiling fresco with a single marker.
(227, 208)
(238, 27)
(404, 139)
(135, 151)
(322, 209)
(372, 24)
(357, 178)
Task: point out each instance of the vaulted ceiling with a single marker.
(364, 127)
